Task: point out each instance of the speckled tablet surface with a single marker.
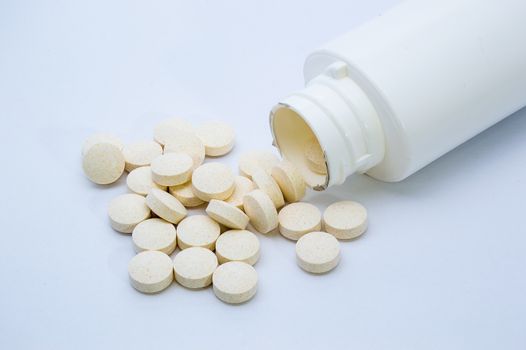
(194, 267)
(238, 245)
(297, 219)
(150, 271)
(235, 282)
(318, 252)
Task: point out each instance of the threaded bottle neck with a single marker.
(335, 111)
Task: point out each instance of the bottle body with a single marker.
(415, 83)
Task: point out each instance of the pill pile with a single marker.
(168, 175)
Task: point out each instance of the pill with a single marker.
(213, 181)
(227, 214)
(165, 206)
(267, 184)
(217, 137)
(168, 129)
(185, 195)
(141, 154)
(261, 211)
(315, 157)
(345, 219)
(194, 267)
(235, 282)
(242, 185)
(289, 181)
(189, 143)
(318, 252)
(140, 181)
(101, 138)
(172, 169)
(256, 159)
(297, 219)
(127, 211)
(151, 271)
(103, 163)
(154, 234)
(197, 231)
(237, 245)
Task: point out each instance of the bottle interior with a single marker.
(298, 144)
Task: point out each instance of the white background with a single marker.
(442, 265)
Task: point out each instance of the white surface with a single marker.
(442, 265)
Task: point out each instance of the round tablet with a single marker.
(297, 219)
(101, 138)
(315, 157)
(261, 211)
(213, 181)
(165, 206)
(150, 271)
(185, 195)
(127, 211)
(154, 234)
(318, 252)
(141, 154)
(197, 231)
(237, 245)
(103, 163)
(235, 282)
(189, 143)
(289, 181)
(139, 180)
(345, 220)
(267, 184)
(168, 129)
(172, 169)
(227, 214)
(217, 137)
(256, 159)
(242, 185)
(194, 267)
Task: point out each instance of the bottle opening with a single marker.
(298, 144)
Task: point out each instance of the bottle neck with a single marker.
(333, 109)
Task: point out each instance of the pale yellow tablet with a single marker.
(267, 184)
(218, 137)
(189, 143)
(345, 220)
(185, 195)
(197, 231)
(194, 267)
(243, 185)
(256, 159)
(226, 214)
(151, 271)
(297, 219)
(165, 206)
(235, 282)
(315, 157)
(155, 234)
(141, 154)
(289, 180)
(172, 169)
(237, 245)
(140, 181)
(318, 252)
(103, 163)
(261, 211)
(127, 211)
(213, 181)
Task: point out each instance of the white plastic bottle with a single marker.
(400, 91)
